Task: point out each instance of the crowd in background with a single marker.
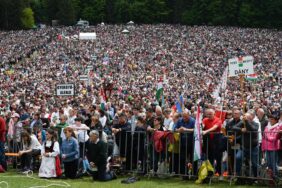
(125, 70)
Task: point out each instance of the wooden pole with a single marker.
(242, 84)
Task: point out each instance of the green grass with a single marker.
(20, 181)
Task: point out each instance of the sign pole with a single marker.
(242, 83)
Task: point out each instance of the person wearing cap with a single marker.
(97, 154)
(271, 144)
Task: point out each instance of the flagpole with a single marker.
(223, 96)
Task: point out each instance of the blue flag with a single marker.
(178, 107)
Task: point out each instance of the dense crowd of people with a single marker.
(115, 112)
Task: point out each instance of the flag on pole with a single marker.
(160, 90)
(102, 99)
(197, 136)
(252, 77)
(178, 107)
(181, 101)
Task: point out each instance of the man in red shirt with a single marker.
(2, 142)
(212, 139)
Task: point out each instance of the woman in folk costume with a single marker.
(50, 151)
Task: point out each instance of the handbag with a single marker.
(58, 166)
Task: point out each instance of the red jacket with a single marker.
(159, 140)
(2, 129)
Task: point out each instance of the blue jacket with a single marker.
(70, 148)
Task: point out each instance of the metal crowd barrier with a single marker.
(167, 154)
(173, 155)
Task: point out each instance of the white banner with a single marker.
(65, 90)
(241, 66)
(83, 78)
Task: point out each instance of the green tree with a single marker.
(246, 14)
(121, 10)
(27, 18)
(40, 11)
(51, 9)
(95, 12)
(67, 12)
(159, 11)
(139, 13)
(198, 14)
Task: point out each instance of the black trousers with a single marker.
(71, 169)
(27, 157)
(3, 162)
(213, 150)
(101, 174)
(174, 163)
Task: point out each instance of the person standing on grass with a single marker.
(185, 127)
(248, 129)
(70, 153)
(3, 162)
(271, 144)
(211, 136)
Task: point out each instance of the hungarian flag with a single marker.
(59, 37)
(240, 61)
(197, 136)
(252, 77)
(102, 99)
(160, 90)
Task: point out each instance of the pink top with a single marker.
(271, 138)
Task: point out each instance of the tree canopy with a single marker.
(246, 13)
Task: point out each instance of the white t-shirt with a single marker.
(34, 144)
